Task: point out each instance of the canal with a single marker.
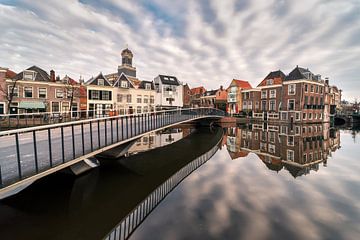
(247, 182)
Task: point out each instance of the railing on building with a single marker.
(129, 224)
(29, 151)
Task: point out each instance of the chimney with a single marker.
(52, 76)
(81, 80)
(221, 87)
(327, 81)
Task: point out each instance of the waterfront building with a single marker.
(234, 99)
(196, 94)
(100, 95)
(186, 96)
(5, 73)
(169, 92)
(214, 98)
(34, 90)
(300, 96)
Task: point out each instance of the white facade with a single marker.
(169, 92)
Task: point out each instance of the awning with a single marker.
(31, 105)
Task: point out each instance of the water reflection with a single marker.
(296, 148)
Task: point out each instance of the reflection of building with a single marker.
(298, 148)
(159, 139)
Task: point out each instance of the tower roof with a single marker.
(126, 51)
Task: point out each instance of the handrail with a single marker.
(77, 122)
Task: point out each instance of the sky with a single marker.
(202, 42)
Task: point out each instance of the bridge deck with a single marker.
(32, 153)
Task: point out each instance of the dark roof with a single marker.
(41, 76)
(123, 77)
(299, 73)
(142, 85)
(275, 74)
(170, 80)
(94, 80)
(126, 50)
(210, 93)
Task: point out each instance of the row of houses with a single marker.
(35, 90)
(300, 96)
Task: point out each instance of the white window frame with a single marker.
(29, 72)
(274, 105)
(298, 116)
(124, 84)
(148, 86)
(288, 105)
(92, 95)
(272, 93)
(271, 148)
(45, 92)
(304, 118)
(291, 144)
(63, 95)
(101, 82)
(294, 86)
(107, 93)
(51, 106)
(17, 90)
(263, 95)
(32, 92)
(292, 158)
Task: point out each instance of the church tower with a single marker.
(126, 67)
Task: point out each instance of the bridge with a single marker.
(32, 153)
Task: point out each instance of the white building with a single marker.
(100, 94)
(169, 92)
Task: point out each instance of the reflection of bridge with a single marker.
(132, 220)
(91, 205)
(32, 153)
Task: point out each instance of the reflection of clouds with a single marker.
(242, 199)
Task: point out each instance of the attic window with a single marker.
(269, 82)
(101, 82)
(124, 84)
(147, 86)
(29, 75)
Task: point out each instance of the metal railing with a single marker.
(29, 151)
(133, 219)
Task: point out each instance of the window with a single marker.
(264, 94)
(304, 130)
(273, 93)
(101, 82)
(105, 95)
(291, 104)
(320, 115)
(304, 116)
(148, 86)
(290, 155)
(310, 116)
(128, 98)
(28, 92)
(152, 99)
(65, 106)
(138, 109)
(312, 88)
(271, 148)
(306, 88)
(2, 107)
(42, 92)
(263, 105)
(55, 107)
(124, 84)
(59, 93)
(317, 89)
(256, 105)
(269, 82)
(306, 100)
(283, 129)
(290, 140)
(95, 95)
(283, 116)
(146, 99)
(138, 99)
(297, 116)
(297, 130)
(305, 157)
(119, 97)
(272, 105)
(272, 137)
(291, 89)
(15, 92)
(146, 109)
(321, 90)
(29, 75)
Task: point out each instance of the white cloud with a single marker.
(202, 42)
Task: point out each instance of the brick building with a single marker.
(234, 99)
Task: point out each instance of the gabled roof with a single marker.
(123, 77)
(241, 83)
(41, 76)
(10, 74)
(94, 80)
(69, 80)
(142, 85)
(198, 90)
(277, 76)
(299, 73)
(170, 80)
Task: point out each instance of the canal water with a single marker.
(246, 182)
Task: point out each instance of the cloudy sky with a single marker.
(202, 42)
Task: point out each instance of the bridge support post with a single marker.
(84, 166)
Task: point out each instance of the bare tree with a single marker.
(72, 89)
(8, 90)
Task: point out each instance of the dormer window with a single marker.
(29, 75)
(147, 86)
(101, 82)
(124, 84)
